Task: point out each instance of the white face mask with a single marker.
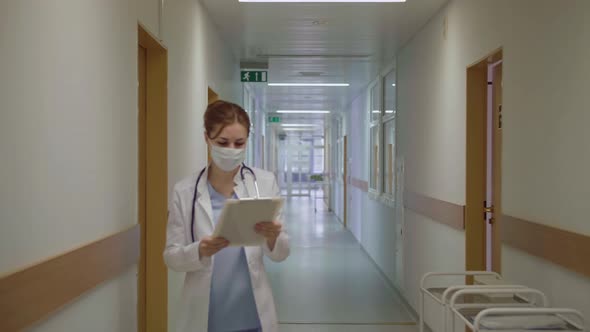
(227, 159)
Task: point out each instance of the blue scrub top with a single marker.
(231, 306)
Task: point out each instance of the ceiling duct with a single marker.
(317, 56)
(254, 64)
(311, 73)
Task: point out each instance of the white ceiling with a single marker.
(318, 120)
(332, 43)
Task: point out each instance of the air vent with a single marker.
(316, 56)
(311, 73)
(320, 22)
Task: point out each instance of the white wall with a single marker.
(197, 59)
(357, 145)
(545, 140)
(431, 131)
(337, 185)
(373, 223)
(148, 12)
(262, 140)
(68, 137)
(110, 307)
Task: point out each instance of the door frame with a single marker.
(328, 167)
(476, 161)
(497, 165)
(152, 306)
(345, 178)
(212, 97)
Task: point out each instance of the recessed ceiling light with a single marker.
(362, 1)
(308, 84)
(393, 84)
(303, 111)
(298, 129)
(298, 125)
(311, 73)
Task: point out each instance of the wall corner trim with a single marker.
(446, 213)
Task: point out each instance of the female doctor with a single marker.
(226, 289)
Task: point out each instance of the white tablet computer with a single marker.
(238, 218)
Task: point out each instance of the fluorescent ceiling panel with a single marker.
(336, 1)
(298, 125)
(308, 84)
(298, 129)
(303, 111)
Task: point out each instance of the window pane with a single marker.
(374, 158)
(389, 180)
(341, 160)
(318, 161)
(318, 141)
(375, 102)
(390, 93)
(337, 161)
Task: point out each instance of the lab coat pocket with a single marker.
(254, 257)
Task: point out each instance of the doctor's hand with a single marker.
(209, 246)
(270, 230)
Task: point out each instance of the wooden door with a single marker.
(497, 169)
(345, 177)
(477, 209)
(152, 182)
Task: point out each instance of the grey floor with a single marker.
(328, 283)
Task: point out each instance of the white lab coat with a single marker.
(183, 256)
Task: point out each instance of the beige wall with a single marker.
(148, 13)
(545, 155)
(68, 140)
(68, 130)
(198, 58)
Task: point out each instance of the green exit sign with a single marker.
(274, 119)
(253, 76)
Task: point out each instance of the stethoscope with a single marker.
(244, 167)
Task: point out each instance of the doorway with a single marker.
(484, 153)
(295, 165)
(212, 97)
(152, 58)
(345, 179)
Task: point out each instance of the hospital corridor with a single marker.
(329, 283)
(294, 165)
